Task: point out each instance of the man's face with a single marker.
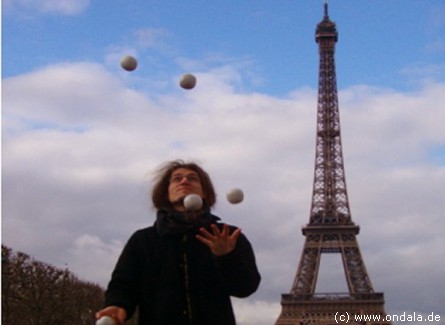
(183, 182)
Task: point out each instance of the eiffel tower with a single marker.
(330, 228)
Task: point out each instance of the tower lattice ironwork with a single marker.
(330, 228)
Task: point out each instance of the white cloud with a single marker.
(79, 146)
(256, 313)
(64, 7)
(152, 38)
(92, 257)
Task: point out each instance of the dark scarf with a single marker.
(171, 222)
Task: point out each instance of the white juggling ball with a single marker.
(188, 81)
(192, 202)
(129, 63)
(105, 320)
(235, 196)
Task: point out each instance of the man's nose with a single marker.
(184, 179)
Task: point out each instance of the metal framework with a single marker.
(330, 228)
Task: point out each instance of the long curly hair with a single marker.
(159, 194)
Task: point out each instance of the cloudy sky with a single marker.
(81, 137)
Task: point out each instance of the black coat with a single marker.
(175, 279)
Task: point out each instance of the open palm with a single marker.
(220, 242)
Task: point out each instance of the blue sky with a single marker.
(387, 43)
(81, 136)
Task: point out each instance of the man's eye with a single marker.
(190, 178)
(193, 179)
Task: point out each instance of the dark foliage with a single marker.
(37, 293)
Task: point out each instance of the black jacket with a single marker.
(175, 279)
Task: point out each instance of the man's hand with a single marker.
(117, 313)
(220, 242)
